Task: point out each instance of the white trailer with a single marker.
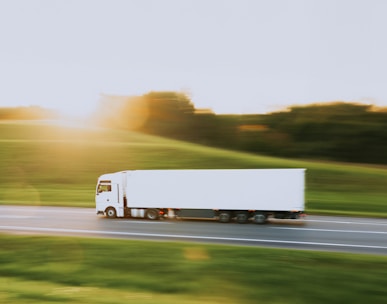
(223, 194)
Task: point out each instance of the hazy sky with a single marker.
(234, 56)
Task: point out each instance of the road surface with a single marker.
(344, 234)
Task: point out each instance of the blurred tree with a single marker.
(338, 131)
(168, 114)
(163, 113)
(31, 112)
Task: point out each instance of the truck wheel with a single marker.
(152, 214)
(111, 212)
(224, 217)
(242, 217)
(260, 218)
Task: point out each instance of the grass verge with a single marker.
(81, 270)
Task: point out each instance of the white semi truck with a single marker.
(240, 194)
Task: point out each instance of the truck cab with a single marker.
(109, 196)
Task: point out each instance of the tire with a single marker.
(224, 217)
(242, 217)
(152, 214)
(111, 212)
(260, 218)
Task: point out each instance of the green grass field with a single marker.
(81, 270)
(51, 164)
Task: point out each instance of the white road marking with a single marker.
(37, 229)
(346, 222)
(55, 212)
(16, 216)
(330, 230)
(123, 222)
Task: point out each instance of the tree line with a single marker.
(340, 131)
(27, 113)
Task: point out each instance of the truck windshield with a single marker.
(104, 188)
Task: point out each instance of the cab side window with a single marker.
(104, 188)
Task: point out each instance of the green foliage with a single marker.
(32, 112)
(168, 114)
(337, 131)
(78, 270)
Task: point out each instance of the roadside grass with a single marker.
(43, 163)
(83, 270)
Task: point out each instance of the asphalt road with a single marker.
(344, 234)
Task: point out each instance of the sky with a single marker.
(232, 56)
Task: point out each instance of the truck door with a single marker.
(108, 195)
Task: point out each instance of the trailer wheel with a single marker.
(111, 212)
(152, 214)
(224, 217)
(242, 217)
(260, 218)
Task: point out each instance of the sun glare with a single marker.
(76, 110)
(73, 115)
(71, 123)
